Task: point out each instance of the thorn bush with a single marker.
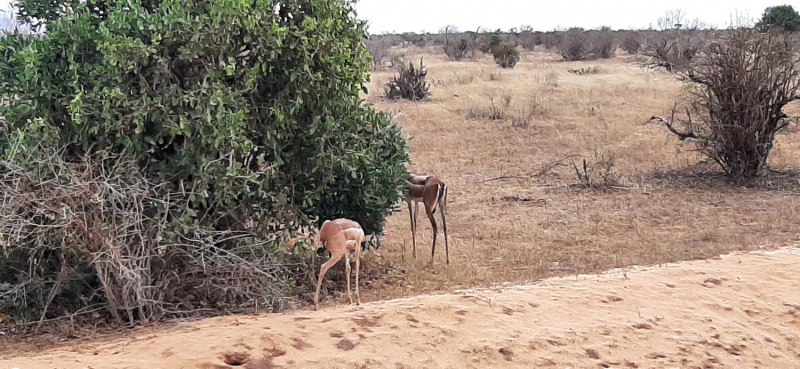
(737, 89)
(578, 44)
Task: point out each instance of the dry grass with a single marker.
(667, 212)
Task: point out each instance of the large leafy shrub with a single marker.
(243, 116)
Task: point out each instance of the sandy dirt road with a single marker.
(738, 311)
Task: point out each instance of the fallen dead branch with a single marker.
(542, 171)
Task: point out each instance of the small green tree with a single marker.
(781, 17)
(504, 55)
(245, 113)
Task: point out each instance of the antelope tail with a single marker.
(440, 189)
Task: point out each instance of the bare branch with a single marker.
(544, 169)
(681, 135)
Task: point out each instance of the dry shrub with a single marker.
(497, 108)
(529, 40)
(461, 46)
(599, 173)
(551, 40)
(503, 106)
(396, 59)
(578, 44)
(737, 92)
(378, 48)
(86, 236)
(456, 49)
(464, 80)
(523, 116)
(551, 79)
(603, 45)
(574, 46)
(631, 42)
(671, 51)
(409, 83)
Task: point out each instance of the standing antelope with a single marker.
(339, 237)
(432, 192)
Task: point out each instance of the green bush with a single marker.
(244, 117)
(505, 56)
(782, 17)
(413, 38)
(494, 41)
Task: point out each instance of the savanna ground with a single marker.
(659, 204)
(665, 206)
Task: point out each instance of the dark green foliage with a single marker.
(413, 38)
(504, 55)
(247, 113)
(494, 41)
(782, 17)
(409, 83)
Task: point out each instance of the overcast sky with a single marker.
(546, 15)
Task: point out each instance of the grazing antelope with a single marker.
(432, 192)
(339, 237)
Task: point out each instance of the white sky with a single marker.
(545, 15)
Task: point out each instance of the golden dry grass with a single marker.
(665, 210)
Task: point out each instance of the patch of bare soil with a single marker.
(738, 311)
